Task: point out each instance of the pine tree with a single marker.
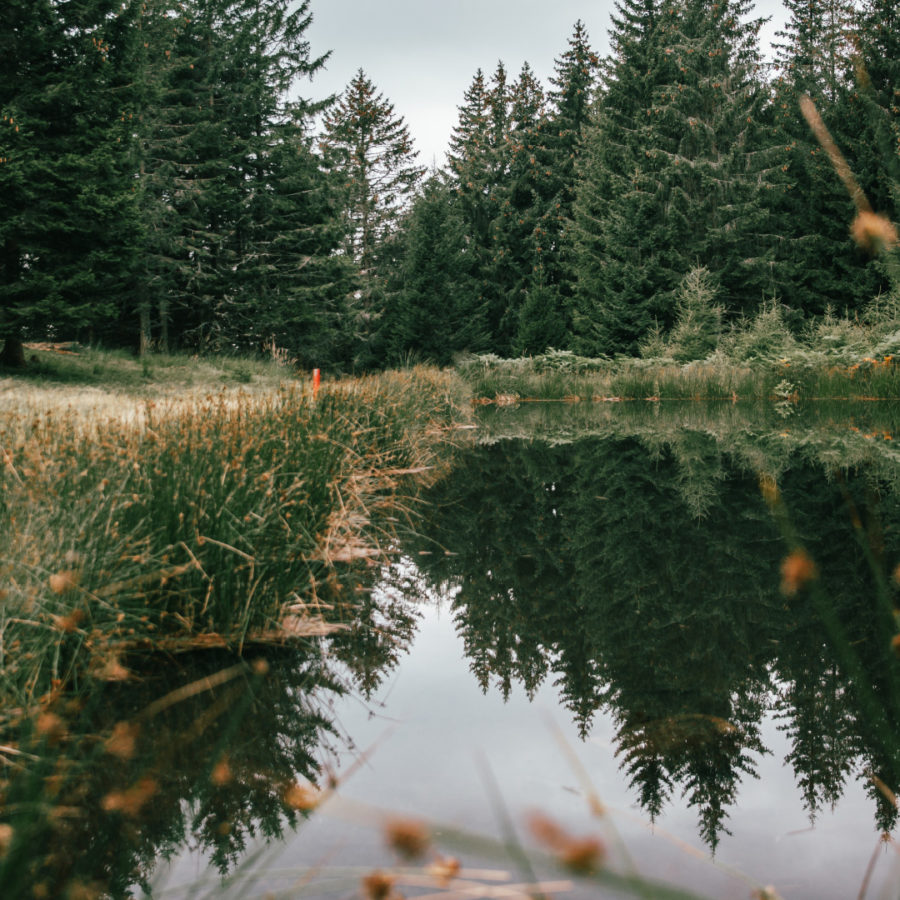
(372, 149)
(437, 312)
(283, 223)
(545, 320)
(677, 173)
(875, 152)
(617, 225)
(240, 219)
(478, 165)
(716, 165)
(67, 218)
(820, 266)
(517, 273)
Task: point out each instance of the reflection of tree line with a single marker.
(645, 583)
(589, 565)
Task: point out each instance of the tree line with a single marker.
(164, 184)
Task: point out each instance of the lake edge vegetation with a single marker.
(112, 526)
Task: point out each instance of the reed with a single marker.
(221, 520)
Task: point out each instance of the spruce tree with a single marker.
(240, 220)
(437, 312)
(516, 248)
(370, 145)
(875, 146)
(716, 164)
(819, 265)
(677, 171)
(479, 171)
(545, 320)
(617, 223)
(67, 221)
(283, 223)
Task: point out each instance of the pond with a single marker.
(656, 640)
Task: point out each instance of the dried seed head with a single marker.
(797, 570)
(50, 726)
(221, 773)
(71, 621)
(583, 855)
(261, 667)
(64, 581)
(444, 869)
(766, 893)
(6, 838)
(109, 669)
(123, 740)
(873, 232)
(769, 489)
(130, 801)
(299, 796)
(79, 890)
(408, 838)
(378, 886)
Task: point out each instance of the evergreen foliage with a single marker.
(436, 310)
(573, 84)
(819, 264)
(699, 321)
(67, 219)
(618, 231)
(370, 146)
(163, 186)
(676, 173)
(478, 167)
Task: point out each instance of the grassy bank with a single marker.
(213, 519)
(794, 379)
(175, 547)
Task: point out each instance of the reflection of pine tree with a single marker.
(673, 598)
(504, 519)
(822, 730)
(847, 612)
(644, 575)
(712, 773)
(381, 626)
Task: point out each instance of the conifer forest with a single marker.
(166, 183)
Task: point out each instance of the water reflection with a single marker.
(637, 566)
(205, 748)
(644, 577)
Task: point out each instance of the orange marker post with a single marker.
(317, 378)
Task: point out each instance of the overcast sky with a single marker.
(423, 54)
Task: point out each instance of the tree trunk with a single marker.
(163, 324)
(13, 354)
(146, 337)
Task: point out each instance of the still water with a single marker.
(669, 630)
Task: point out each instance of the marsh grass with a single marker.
(814, 376)
(590, 380)
(220, 520)
(141, 532)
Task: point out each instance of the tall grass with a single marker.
(223, 520)
(596, 380)
(804, 375)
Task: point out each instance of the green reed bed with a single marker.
(215, 522)
(817, 377)
(564, 376)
